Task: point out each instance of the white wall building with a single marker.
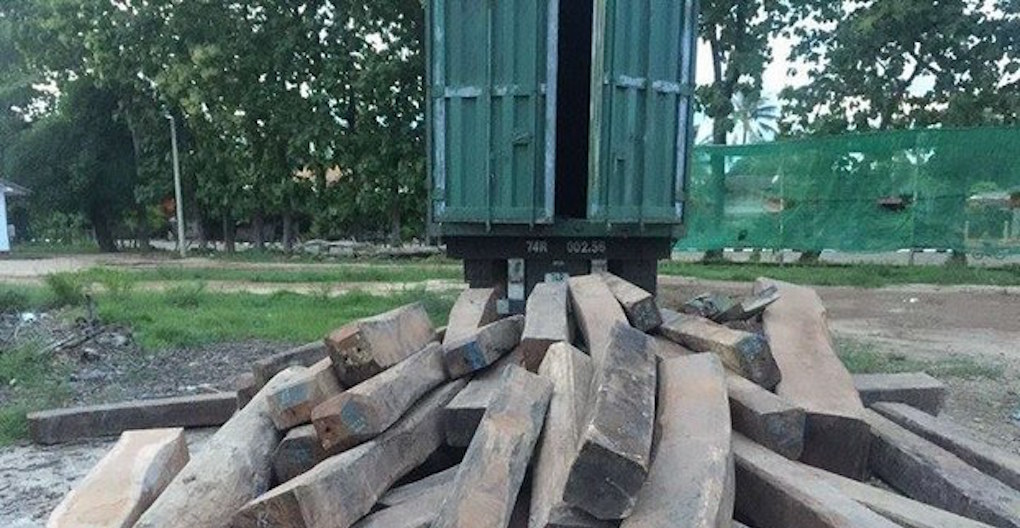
(7, 189)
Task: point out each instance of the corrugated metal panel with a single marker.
(489, 61)
(641, 88)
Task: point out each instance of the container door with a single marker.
(642, 85)
(490, 106)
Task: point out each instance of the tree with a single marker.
(755, 118)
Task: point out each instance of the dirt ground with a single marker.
(916, 322)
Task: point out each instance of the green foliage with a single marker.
(186, 296)
(31, 382)
(12, 300)
(866, 358)
(68, 289)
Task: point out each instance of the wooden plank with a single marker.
(342, 489)
(369, 346)
(998, 463)
(303, 356)
(489, 479)
(691, 480)
(462, 416)
(897, 508)
(743, 352)
(125, 482)
(666, 349)
(766, 418)
(749, 307)
(244, 385)
(912, 388)
(596, 312)
(570, 372)
(234, 467)
(411, 492)
(369, 408)
(775, 492)
(291, 405)
(418, 512)
(297, 453)
(638, 304)
(814, 379)
(474, 308)
(484, 347)
(547, 321)
(924, 471)
(75, 423)
(616, 440)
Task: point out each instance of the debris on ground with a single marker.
(726, 409)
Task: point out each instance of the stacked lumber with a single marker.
(727, 412)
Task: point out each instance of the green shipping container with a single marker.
(560, 111)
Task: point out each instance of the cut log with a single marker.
(814, 379)
(924, 471)
(596, 311)
(897, 508)
(234, 467)
(343, 488)
(766, 418)
(303, 356)
(367, 347)
(292, 404)
(489, 479)
(666, 349)
(484, 347)
(418, 512)
(464, 413)
(570, 372)
(750, 307)
(998, 463)
(775, 492)
(297, 453)
(745, 353)
(475, 308)
(66, 425)
(369, 408)
(547, 322)
(709, 305)
(415, 490)
(125, 482)
(916, 389)
(616, 440)
(691, 481)
(638, 304)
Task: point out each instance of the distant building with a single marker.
(7, 189)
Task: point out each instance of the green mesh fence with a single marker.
(942, 189)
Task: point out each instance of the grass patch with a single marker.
(865, 358)
(190, 316)
(857, 275)
(30, 382)
(41, 250)
(396, 273)
(23, 298)
(68, 289)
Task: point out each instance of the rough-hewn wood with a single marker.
(303, 356)
(489, 479)
(766, 418)
(570, 372)
(75, 423)
(365, 348)
(343, 488)
(125, 482)
(418, 512)
(815, 380)
(474, 308)
(916, 389)
(547, 321)
(428, 485)
(743, 352)
(666, 349)
(998, 463)
(596, 311)
(244, 385)
(897, 508)
(924, 471)
(691, 480)
(484, 347)
(638, 304)
(616, 440)
(291, 405)
(369, 408)
(464, 413)
(298, 452)
(749, 307)
(775, 492)
(234, 467)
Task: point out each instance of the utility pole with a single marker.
(178, 195)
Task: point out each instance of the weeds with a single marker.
(68, 288)
(865, 358)
(12, 301)
(31, 382)
(186, 296)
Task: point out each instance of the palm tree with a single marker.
(755, 117)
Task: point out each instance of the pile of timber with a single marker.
(597, 408)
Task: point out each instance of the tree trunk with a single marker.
(259, 226)
(288, 231)
(141, 230)
(103, 230)
(395, 234)
(229, 230)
